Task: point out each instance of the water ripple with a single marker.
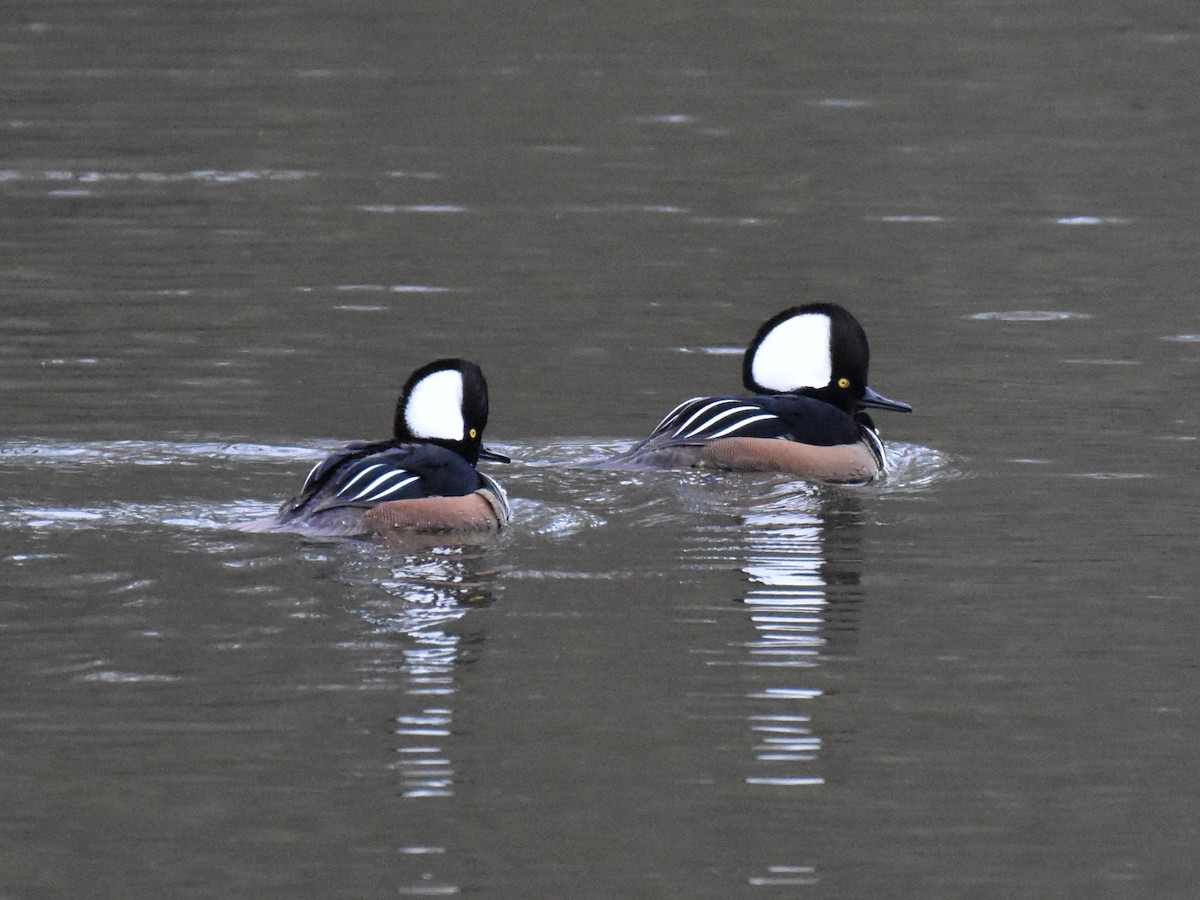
(559, 488)
(1028, 315)
(202, 176)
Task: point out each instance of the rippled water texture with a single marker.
(227, 234)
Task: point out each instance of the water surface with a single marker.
(228, 233)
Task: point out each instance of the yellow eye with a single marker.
(472, 433)
(843, 382)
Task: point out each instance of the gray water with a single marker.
(229, 231)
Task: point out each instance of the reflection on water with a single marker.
(802, 596)
(426, 598)
(414, 623)
(787, 597)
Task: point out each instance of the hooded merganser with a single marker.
(808, 366)
(424, 479)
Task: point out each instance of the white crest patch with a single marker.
(434, 407)
(795, 354)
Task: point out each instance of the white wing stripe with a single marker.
(395, 487)
(741, 423)
(701, 412)
(349, 484)
(386, 476)
(700, 429)
(311, 473)
(676, 411)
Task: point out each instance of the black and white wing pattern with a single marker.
(328, 468)
(366, 482)
(704, 419)
(364, 475)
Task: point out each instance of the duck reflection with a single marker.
(427, 597)
(802, 560)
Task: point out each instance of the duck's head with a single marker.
(816, 350)
(445, 402)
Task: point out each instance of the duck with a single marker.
(806, 368)
(423, 480)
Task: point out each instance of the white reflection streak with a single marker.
(424, 765)
(427, 664)
(787, 600)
